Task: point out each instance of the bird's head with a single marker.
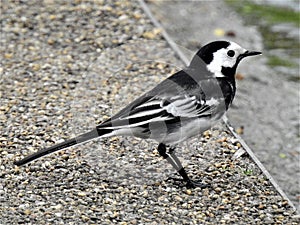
(222, 57)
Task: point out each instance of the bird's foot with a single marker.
(190, 184)
(194, 184)
(175, 179)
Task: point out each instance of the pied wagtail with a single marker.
(183, 105)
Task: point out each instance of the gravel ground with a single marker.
(66, 66)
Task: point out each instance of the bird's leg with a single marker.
(162, 149)
(189, 183)
(175, 162)
(175, 158)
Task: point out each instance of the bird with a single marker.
(183, 105)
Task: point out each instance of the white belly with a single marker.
(190, 129)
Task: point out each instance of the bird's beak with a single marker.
(250, 53)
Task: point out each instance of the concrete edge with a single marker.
(225, 119)
(258, 163)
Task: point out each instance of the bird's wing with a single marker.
(189, 106)
(162, 109)
(179, 96)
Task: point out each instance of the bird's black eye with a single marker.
(230, 53)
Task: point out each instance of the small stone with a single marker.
(27, 212)
(137, 16)
(218, 190)
(81, 194)
(178, 198)
(52, 17)
(218, 165)
(188, 191)
(8, 55)
(226, 201)
(280, 217)
(57, 207)
(145, 193)
(50, 41)
(85, 218)
(215, 196)
(223, 139)
(151, 34)
(58, 214)
(219, 32)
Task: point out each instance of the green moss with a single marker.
(294, 78)
(264, 17)
(248, 172)
(277, 61)
(270, 14)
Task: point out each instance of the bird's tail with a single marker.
(95, 133)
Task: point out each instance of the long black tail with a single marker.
(73, 141)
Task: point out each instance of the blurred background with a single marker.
(265, 111)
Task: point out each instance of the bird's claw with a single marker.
(194, 184)
(190, 184)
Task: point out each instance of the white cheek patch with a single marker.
(215, 66)
(221, 59)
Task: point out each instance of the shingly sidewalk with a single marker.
(66, 66)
